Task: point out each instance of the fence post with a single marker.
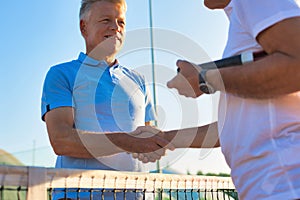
(37, 183)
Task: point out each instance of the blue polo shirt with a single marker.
(105, 99)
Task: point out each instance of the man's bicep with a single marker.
(58, 120)
(282, 37)
(61, 114)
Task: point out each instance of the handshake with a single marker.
(146, 143)
(149, 144)
(154, 144)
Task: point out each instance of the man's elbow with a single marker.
(60, 147)
(68, 146)
(60, 142)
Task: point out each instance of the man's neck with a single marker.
(110, 60)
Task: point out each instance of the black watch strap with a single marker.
(203, 85)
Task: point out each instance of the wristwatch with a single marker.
(204, 86)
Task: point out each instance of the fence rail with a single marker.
(37, 180)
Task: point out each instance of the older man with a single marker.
(92, 103)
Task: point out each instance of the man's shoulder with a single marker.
(65, 65)
(63, 71)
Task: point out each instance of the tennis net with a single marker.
(36, 183)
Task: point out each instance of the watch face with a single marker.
(206, 88)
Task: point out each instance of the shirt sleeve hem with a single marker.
(53, 106)
(264, 24)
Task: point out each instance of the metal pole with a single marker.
(153, 70)
(33, 153)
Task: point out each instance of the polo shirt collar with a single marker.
(85, 59)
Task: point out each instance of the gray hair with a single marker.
(86, 6)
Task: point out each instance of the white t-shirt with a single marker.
(260, 138)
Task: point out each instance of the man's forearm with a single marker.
(197, 137)
(99, 144)
(83, 144)
(68, 141)
(266, 78)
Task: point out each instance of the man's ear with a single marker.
(83, 28)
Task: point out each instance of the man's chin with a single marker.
(106, 49)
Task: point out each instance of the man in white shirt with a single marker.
(258, 125)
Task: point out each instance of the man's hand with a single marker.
(158, 136)
(149, 157)
(187, 80)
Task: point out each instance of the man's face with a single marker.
(216, 4)
(105, 24)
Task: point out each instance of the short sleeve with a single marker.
(57, 91)
(261, 14)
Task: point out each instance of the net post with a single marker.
(37, 183)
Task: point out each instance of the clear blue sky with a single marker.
(38, 34)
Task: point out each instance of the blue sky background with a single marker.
(38, 34)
